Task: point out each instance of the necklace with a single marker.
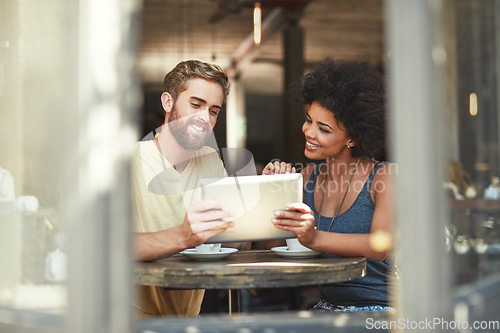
(343, 198)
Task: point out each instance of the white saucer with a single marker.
(224, 252)
(285, 252)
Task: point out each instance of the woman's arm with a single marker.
(375, 245)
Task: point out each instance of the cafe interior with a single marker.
(80, 83)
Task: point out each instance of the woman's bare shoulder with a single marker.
(387, 170)
(384, 177)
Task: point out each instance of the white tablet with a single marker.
(253, 199)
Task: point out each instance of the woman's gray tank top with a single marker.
(371, 289)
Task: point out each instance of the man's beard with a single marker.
(179, 130)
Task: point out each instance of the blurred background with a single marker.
(295, 35)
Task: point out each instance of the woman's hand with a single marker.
(277, 167)
(299, 219)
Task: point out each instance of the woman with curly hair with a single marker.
(347, 207)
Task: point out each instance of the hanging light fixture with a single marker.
(473, 104)
(257, 19)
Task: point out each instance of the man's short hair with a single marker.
(176, 80)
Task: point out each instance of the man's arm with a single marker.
(151, 246)
(202, 221)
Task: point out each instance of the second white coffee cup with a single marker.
(293, 244)
(208, 248)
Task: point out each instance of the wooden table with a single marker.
(248, 269)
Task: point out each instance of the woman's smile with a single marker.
(311, 146)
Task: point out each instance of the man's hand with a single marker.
(204, 220)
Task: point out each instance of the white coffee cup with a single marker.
(27, 204)
(7, 192)
(293, 244)
(208, 248)
(55, 266)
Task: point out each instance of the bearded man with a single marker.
(169, 214)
